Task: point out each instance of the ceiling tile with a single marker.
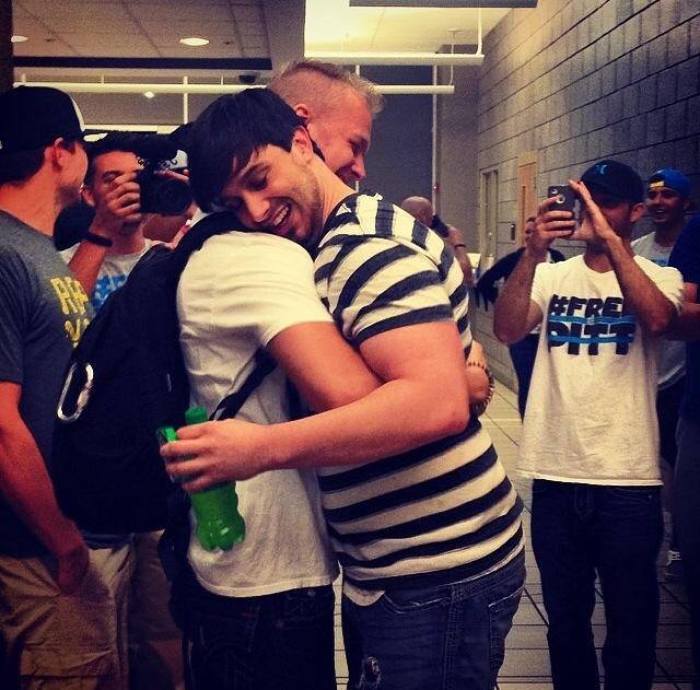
(247, 13)
(174, 31)
(127, 45)
(75, 10)
(176, 12)
(42, 48)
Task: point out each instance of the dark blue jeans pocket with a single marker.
(406, 601)
(221, 650)
(301, 607)
(501, 614)
(632, 502)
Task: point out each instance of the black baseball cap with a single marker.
(616, 179)
(35, 116)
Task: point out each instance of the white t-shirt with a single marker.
(236, 294)
(591, 414)
(672, 352)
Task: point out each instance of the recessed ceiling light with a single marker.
(194, 41)
(18, 39)
(149, 94)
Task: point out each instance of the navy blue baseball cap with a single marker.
(35, 116)
(672, 179)
(616, 179)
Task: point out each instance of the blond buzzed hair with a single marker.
(310, 81)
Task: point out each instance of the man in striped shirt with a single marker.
(430, 540)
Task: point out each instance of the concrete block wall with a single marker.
(580, 80)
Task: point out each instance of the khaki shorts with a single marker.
(55, 641)
(149, 613)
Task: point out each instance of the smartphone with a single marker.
(566, 199)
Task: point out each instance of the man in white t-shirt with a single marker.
(261, 615)
(590, 438)
(667, 201)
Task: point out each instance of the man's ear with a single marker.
(301, 142)
(88, 196)
(637, 211)
(60, 153)
(56, 153)
(303, 111)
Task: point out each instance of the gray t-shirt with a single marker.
(672, 352)
(43, 312)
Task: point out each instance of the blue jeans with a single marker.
(579, 530)
(283, 640)
(449, 636)
(522, 355)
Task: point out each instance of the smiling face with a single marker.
(665, 206)
(277, 192)
(343, 132)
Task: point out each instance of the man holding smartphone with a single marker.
(590, 439)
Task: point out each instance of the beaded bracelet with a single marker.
(478, 409)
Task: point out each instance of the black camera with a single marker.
(159, 193)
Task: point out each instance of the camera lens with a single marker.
(560, 199)
(162, 195)
(173, 197)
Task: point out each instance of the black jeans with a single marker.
(268, 642)
(523, 355)
(579, 530)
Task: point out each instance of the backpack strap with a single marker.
(232, 403)
(213, 224)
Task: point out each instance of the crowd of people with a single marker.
(383, 470)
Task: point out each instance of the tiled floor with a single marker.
(526, 665)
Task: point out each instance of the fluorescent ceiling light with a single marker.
(194, 41)
(18, 39)
(456, 4)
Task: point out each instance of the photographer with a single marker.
(590, 439)
(118, 187)
(135, 199)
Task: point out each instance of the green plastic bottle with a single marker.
(219, 524)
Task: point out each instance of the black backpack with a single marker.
(127, 378)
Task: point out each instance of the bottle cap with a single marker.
(196, 415)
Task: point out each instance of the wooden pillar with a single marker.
(6, 69)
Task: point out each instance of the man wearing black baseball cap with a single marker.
(57, 599)
(590, 438)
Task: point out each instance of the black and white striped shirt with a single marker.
(446, 511)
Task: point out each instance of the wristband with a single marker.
(97, 239)
(478, 409)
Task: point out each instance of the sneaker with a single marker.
(674, 567)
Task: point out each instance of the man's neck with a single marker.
(133, 243)
(333, 190)
(598, 260)
(32, 203)
(666, 235)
